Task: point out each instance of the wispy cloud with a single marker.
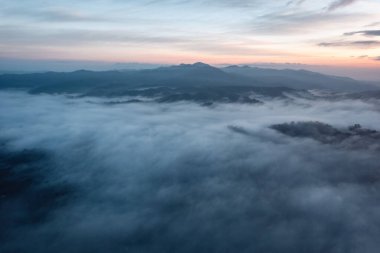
(180, 28)
(365, 33)
(359, 43)
(55, 14)
(295, 2)
(305, 22)
(340, 4)
(373, 24)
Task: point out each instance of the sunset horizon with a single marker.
(342, 33)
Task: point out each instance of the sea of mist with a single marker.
(86, 175)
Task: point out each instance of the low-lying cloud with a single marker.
(179, 177)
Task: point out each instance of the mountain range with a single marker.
(199, 81)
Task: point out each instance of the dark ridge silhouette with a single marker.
(354, 137)
(365, 95)
(300, 79)
(186, 76)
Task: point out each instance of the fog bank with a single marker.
(86, 175)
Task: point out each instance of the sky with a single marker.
(344, 33)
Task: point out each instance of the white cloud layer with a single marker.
(175, 178)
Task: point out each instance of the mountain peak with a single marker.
(197, 65)
(201, 64)
(238, 66)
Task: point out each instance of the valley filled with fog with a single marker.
(178, 126)
(289, 173)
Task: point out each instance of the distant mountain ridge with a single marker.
(184, 76)
(299, 79)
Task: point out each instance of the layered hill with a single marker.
(196, 82)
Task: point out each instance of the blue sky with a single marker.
(338, 32)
